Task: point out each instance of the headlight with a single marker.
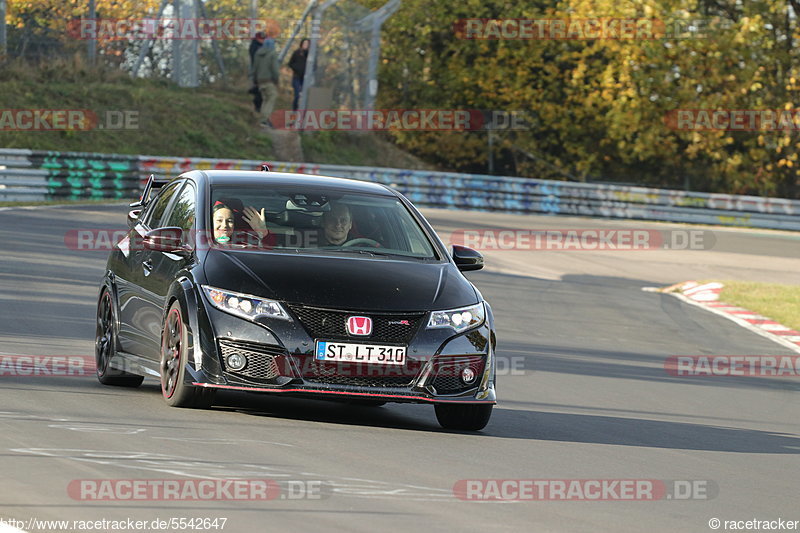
(244, 305)
(458, 319)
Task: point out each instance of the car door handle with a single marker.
(148, 267)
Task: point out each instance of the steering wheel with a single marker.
(362, 241)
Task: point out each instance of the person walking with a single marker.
(298, 65)
(266, 73)
(255, 44)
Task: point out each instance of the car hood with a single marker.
(353, 283)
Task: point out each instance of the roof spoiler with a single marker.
(151, 188)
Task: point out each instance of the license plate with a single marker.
(360, 353)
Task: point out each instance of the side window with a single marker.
(412, 234)
(152, 218)
(183, 210)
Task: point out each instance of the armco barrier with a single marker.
(44, 175)
(525, 195)
(26, 174)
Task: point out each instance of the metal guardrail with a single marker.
(44, 175)
(25, 174)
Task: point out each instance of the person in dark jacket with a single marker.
(298, 65)
(255, 44)
(266, 73)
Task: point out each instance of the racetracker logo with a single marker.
(454, 366)
(487, 490)
(172, 28)
(559, 28)
(583, 239)
(593, 28)
(67, 120)
(401, 120)
(733, 365)
(733, 119)
(46, 366)
(196, 489)
(105, 240)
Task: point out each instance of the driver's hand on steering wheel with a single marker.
(362, 241)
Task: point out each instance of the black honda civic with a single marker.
(295, 284)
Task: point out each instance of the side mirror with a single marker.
(133, 217)
(467, 259)
(169, 240)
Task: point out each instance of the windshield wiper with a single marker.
(371, 251)
(350, 251)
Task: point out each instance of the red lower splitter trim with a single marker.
(343, 393)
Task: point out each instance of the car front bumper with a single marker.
(282, 351)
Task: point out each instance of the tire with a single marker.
(469, 417)
(105, 346)
(174, 355)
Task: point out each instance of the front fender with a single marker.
(109, 283)
(202, 353)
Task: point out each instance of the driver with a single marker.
(336, 225)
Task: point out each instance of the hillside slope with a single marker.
(204, 122)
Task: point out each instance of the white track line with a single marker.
(764, 333)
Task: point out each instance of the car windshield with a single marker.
(300, 219)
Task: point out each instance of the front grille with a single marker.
(357, 374)
(332, 324)
(447, 373)
(262, 359)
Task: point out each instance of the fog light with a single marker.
(236, 361)
(468, 375)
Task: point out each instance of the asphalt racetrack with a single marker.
(583, 394)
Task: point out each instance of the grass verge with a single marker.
(778, 302)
